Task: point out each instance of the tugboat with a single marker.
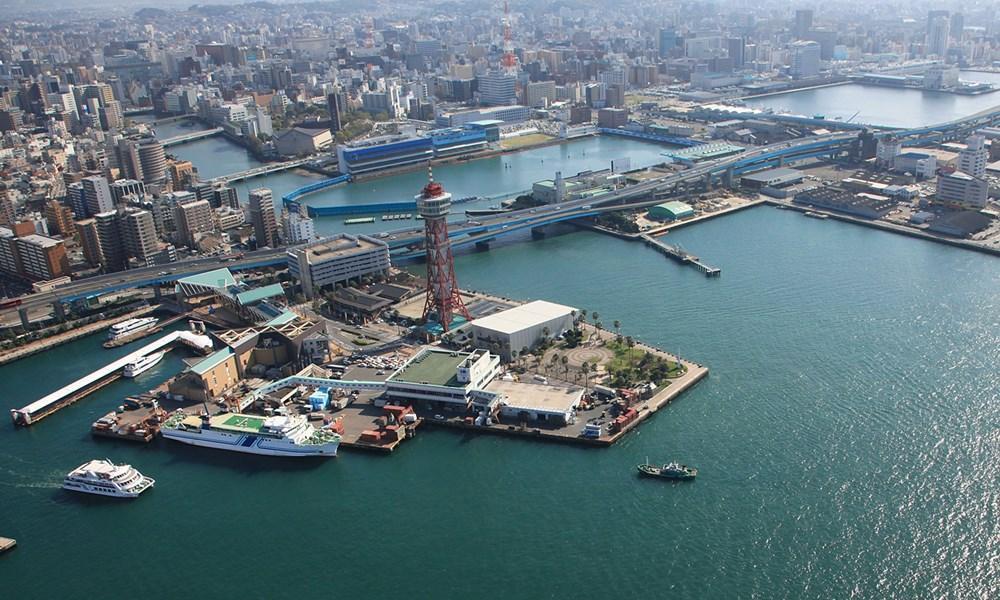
(668, 471)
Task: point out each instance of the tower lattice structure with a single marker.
(443, 299)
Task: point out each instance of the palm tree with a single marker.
(618, 327)
(554, 360)
(631, 344)
(595, 316)
(513, 356)
(585, 368)
(565, 364)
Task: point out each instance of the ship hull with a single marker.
(250, 444)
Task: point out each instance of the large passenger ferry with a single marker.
(120, 330)
(105, 478)
(289, 435)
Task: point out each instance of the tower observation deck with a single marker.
(443, 299)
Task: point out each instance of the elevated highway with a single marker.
(402, 241)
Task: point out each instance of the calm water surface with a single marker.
(847, 439)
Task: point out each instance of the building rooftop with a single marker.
(521, 317)
(770, 175)
(261, 293)
(537, 397)
(286, 316)
(339, 246)
(211, 361)
(434, 367)
(219, 278)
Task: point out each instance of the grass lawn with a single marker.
(639, 366)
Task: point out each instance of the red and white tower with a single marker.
(509, 61)
(443, 299)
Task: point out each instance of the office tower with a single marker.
(668, 41)
(497, 88)
(805, 59)
(97, 195)
(333, 105)
(803, 22)
(735, 48)
(937, 36)
(265, 225)
(957, 27)
(972, 160)
(144, 160)
(192, 218)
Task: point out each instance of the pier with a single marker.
(66, 395)
(679, 254)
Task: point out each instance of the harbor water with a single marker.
(874, 105)
(846, 441)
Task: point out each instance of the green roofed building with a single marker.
(671, 211)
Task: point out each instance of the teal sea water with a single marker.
(847, 440)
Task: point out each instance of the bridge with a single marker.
(190, 137)
(305, 190)
(265, 169)
(404, 241)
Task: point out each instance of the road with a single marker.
(487, 228)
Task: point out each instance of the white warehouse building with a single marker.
(522, 326)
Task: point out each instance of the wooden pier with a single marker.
(680, 255)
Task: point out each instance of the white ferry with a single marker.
(107, 479)
(274, 436)
(120, 330)
(143, 364)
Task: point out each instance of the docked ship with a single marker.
(105, 478)
(668, 471)
(142, 364)
(131, 326)
(290, 435)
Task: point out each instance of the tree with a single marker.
(631, 344)
(565, 364)
(618, 327)
(585, 368)
(513, 356)
(553, 361)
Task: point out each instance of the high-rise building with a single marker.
(112, 245)
(956, 27)
(192, 218)
(90, 242)
(8, 210)
(265, 224)
(111, 116)
(805, 59)
(60, 218)
(803, 22)
(41, 257)
(443, 299)
(122, 188)
(540, 93)
(497, 88)
(97, 195)
(668, 41)
(333, 105)
(337, 259)
(973, 159)
(937, 36)
(962, 190)
(297, 228)
(153, 159)
(138, 234)
(736, 49)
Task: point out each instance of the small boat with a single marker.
(142, 364)
(105, 478)
(668, 471)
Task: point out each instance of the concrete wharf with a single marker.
(68, 394)
(679, 254)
